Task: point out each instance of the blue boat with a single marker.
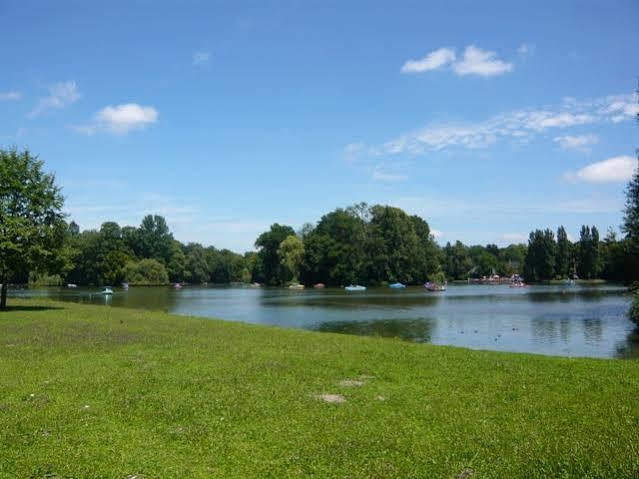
(397, 285)
(355, 287)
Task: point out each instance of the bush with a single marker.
(147, 272)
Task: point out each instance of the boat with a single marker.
(355, 287)
(256, 285)
(125, 285)
(296, 286)
(434, 287)
(72, 285)
(177, 286)
(397, 285)
(107, 290)
(518, 284)
(319, 285)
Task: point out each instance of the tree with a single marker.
(457, 262)
(630, 224)
(291, 253)
(562, 260)
(269, 244)
(32, 228)
(146, 272)
(539, 264)
(154, 240)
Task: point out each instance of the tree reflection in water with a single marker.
(418, 330)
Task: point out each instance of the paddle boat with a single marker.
(107, 291)
(434, 287)
(125, 286)
(355, 287)
(397, 285)
(296, 286)
(319, 285)
(177, 286)
(72, 285)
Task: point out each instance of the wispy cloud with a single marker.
(120, 119)
(613, 170)
(60, 95)
(201, 58)
(380, 175)
(581, 143)
(520, 125)
(12, 95)
(474, 61)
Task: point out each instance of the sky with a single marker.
(488, 119)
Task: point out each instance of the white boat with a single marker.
(296, 286)
(72, 285)
(106, 290)
(397, 285)
(355, 287)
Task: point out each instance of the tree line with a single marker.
(358, 244)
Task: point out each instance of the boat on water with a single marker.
(355, 287)
(177, 286)
(434, 287)
(256, 285)
(72, 285)
(125, 285)
(518, 284)
(296, 286)
(319, 285)
(397, 285)
(107, 290)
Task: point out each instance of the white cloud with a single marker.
(474, 62)
(518, 126)
(201, 58)
(579, 143)
(436, 233)
(120, 119)
(60, 95)
(434, 60)
(612, 170)
(621, 108)
(481, 62)
(10, 95)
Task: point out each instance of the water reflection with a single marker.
(416, 330)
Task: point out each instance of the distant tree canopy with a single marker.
(31, 222)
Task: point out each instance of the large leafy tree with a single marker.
(539, 264)
(32, 228)
(562, 260)
(269, 244)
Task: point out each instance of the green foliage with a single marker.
(457, 262)
(146, 272)
(31, 222)
(564, 252)
(93, 392)
(272, 271)
(291, 253)
(539, 264)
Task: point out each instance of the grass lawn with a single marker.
(100, 392)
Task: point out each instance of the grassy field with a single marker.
(99, 392)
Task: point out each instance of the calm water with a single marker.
(557, 320)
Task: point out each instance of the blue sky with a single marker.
(488, 119)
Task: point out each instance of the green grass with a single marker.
(98, 392)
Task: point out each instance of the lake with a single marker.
(556, 320)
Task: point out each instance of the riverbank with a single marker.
(90, 391)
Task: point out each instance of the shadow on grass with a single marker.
(25, 308)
